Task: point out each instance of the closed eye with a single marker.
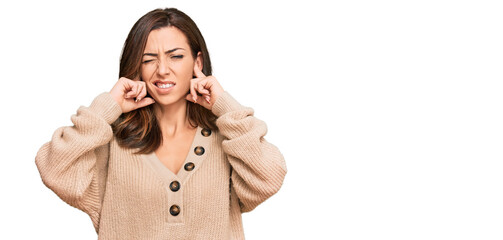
(177, 56)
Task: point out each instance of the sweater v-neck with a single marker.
(193, 134)
(184, 173)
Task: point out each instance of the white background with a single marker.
(389, 113)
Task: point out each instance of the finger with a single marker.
(204, 91)
(145, 102)
(125, 79)
(140, 90)
(132, 90)
(200, 87)
(197, 72)
(188, 97)
(126, 86)
(193, 91)
(143, 92)
(127, 83)
(201, 101)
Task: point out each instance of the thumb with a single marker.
(189, 98)
(145, 102)
(200, 100)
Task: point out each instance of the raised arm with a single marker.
(73, 164)
(258, 166)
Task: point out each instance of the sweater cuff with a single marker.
(225, 103)
(105, 106)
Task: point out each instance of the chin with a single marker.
(168, 100)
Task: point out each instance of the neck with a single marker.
(172, 118)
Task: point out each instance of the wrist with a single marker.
(116, 97)
(105, 106)
(225, 103)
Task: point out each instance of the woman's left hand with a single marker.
(207, 86)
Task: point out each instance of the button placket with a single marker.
(175, 202)
(175, 183)
(193, 162)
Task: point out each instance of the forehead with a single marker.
(166, 38)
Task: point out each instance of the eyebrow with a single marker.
(167, 52)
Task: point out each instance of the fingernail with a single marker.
(207, 99)
(195, 99)
(137, 100)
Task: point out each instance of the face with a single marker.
(167, 65)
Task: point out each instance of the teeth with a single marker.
(165, 85)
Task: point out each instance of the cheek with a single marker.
(146, 73)
(184, 72)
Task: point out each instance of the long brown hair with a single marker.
(139, 128)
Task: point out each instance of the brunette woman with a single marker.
(167, 153)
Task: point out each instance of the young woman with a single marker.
(167, 153)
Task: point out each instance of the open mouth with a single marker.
(164, 84)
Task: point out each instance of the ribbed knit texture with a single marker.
(128, 196)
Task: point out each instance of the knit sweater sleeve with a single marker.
(73, 164)
(258, 166)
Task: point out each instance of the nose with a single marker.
(163, 67)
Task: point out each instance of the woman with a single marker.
(167, 153)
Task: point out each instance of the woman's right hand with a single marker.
(130, 94)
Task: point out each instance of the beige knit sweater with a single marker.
(134, 196)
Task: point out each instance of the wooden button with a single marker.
(206, 132)
(174, 186)
(174, 210)
(199, 150)
(189, 166)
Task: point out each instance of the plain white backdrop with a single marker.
(388, 113)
